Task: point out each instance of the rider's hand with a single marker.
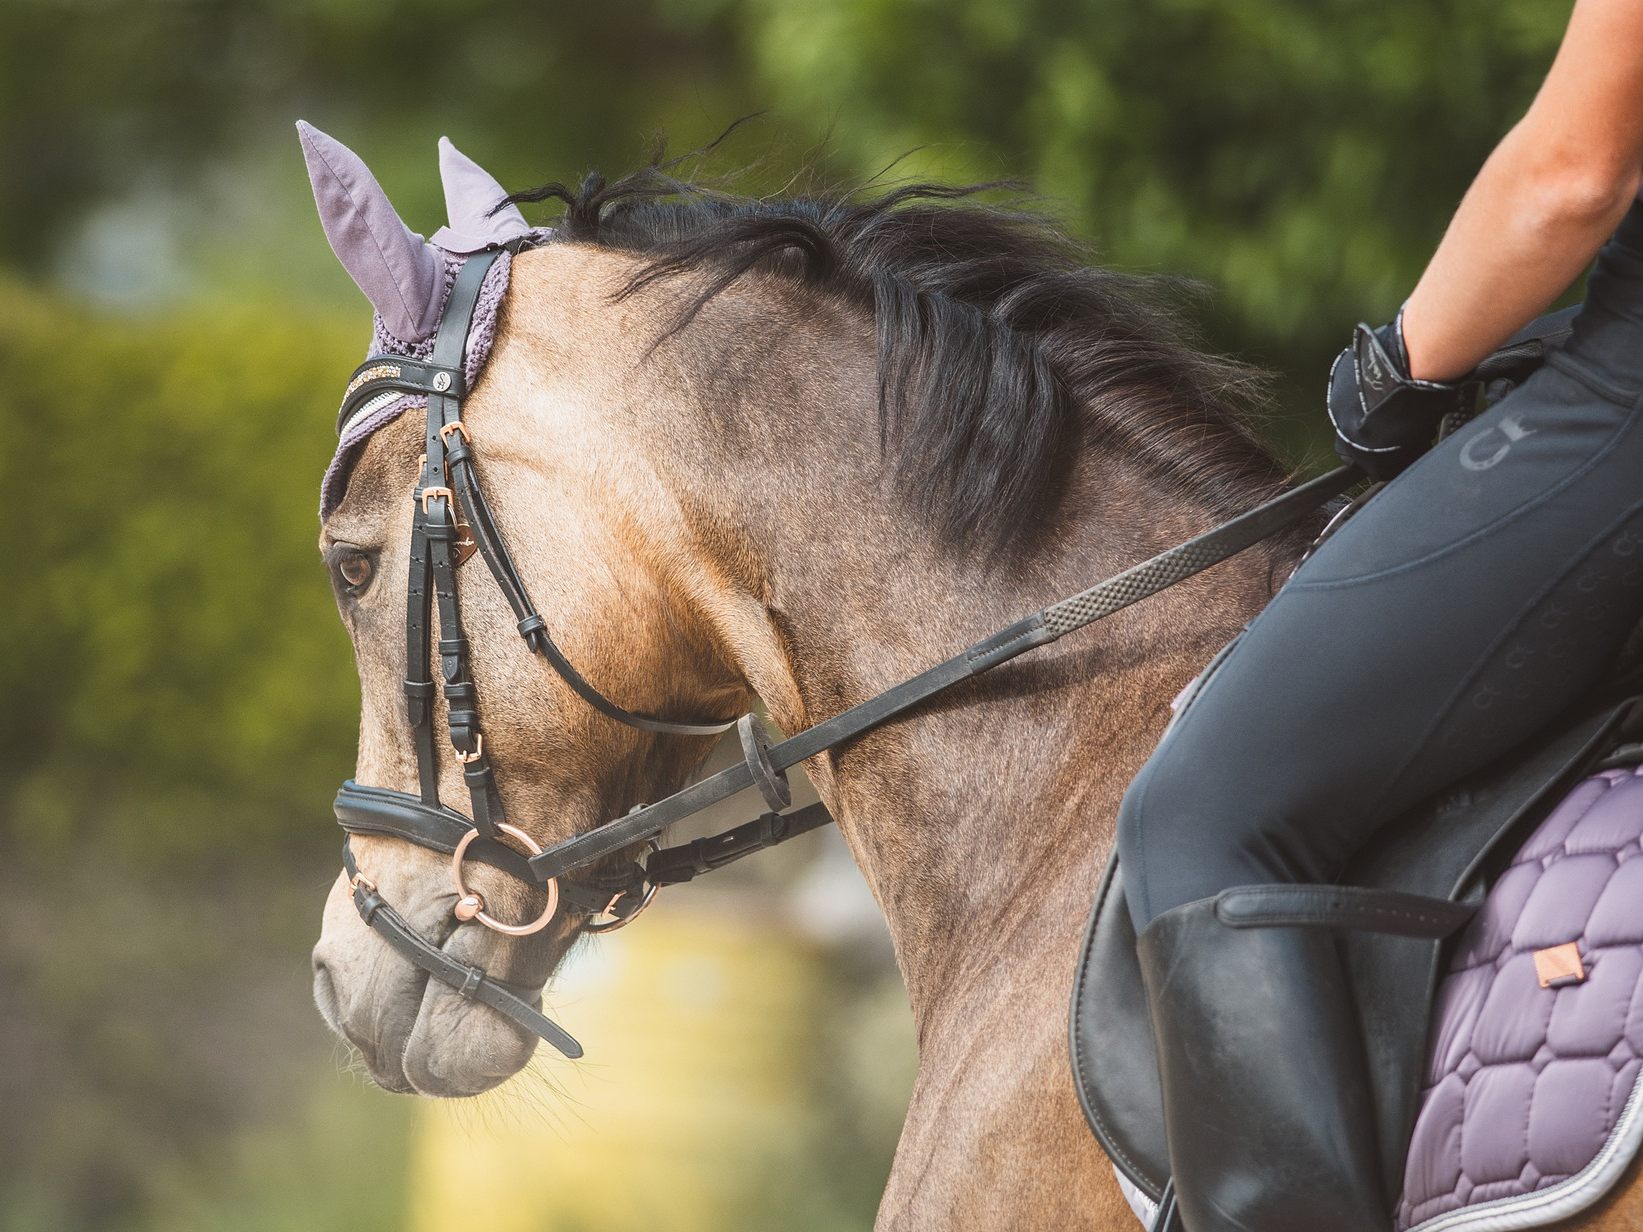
(1384, 418)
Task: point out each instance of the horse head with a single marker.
(598, 548)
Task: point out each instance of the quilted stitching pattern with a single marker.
(1525, 1084)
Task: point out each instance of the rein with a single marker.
(448, 484)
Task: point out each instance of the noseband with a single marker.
(578, 874)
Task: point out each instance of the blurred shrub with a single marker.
(1302, 154)
(174, 672)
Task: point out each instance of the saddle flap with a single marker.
(1115, 1068)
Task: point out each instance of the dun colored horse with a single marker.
(796, 451)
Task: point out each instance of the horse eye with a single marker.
(355, 570)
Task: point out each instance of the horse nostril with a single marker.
(325, 995)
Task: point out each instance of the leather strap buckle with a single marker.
(622, 921)
(427, 494)
(455, 426)
(467, 759)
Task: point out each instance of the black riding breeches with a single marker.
(1482, 592)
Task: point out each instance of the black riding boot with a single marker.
(1266, 1099)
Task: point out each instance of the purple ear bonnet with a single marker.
(390, 406)
(396, 268)
(471, 194)
(406, 278)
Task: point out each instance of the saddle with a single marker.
(1452, 847)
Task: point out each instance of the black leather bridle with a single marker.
(578, 873)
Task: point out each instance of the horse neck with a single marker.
(997, 801)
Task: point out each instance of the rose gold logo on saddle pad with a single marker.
(1560, 966)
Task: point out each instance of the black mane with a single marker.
(1000, 348)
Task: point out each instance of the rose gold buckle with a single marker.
(479, 750)
(454, 426)
(359, 881)
(470, 906)
(428, 494)
(610, 926)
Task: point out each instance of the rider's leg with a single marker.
(1464, 607)
(1457, 613)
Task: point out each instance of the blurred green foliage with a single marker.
(1304, 156)
(180, 675)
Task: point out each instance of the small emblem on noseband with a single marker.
(465, 545)
(442, 382)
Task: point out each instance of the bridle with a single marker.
(577, 873)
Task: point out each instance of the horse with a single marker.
(791, 451)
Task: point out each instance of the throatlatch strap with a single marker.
(533, 628)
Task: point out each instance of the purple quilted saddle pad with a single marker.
(1532, 1106)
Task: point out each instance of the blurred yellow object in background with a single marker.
(692, 1024)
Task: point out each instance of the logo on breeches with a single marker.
(1473, 455)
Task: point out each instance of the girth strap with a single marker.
(472, 982)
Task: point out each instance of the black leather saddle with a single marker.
(1449, 848)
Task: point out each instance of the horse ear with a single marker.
(400, 273)
(471, 194)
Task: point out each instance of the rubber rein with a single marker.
(581, 875)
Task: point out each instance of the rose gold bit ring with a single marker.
(471, 906)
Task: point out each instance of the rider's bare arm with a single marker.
(1543, 203)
